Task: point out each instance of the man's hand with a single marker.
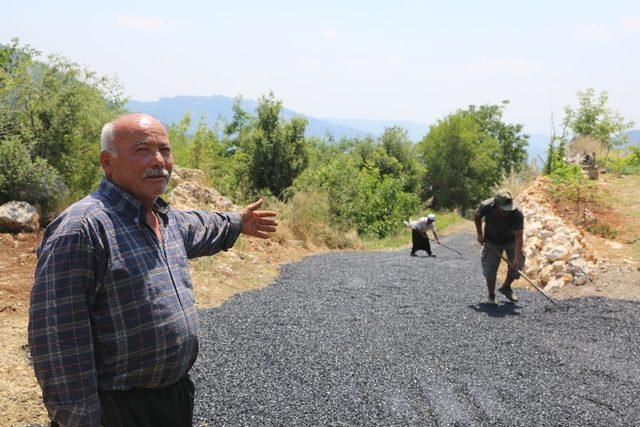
(515, 265)
(480, 238)
(257, 223)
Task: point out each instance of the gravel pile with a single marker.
(383, 338)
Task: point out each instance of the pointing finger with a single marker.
(255, 205)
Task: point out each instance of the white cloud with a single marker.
(630, 24)
(501, 65)
(593, 32)
(142, 23)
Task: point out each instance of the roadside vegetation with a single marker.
(346, 193)
(593, 127)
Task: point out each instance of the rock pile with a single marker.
(190, 193)
(557, 252)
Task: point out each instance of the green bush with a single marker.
(22, 179)
(626, 165)
(380, 205)
(565, 172)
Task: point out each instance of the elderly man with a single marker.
(503, 231)
(419, 236)
(113, 327)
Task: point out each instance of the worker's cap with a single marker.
(504, 199)
(431, 217)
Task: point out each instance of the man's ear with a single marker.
(106, 160)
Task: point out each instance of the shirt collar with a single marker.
(124, 202)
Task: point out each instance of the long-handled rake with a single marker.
(451, 249)
(524, 276)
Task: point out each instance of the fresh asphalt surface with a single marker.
(386, 339)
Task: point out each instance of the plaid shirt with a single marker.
(112, 307)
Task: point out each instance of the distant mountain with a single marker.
(416, 130)
(213, 108)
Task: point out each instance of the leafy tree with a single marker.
(512, 153)
(180, 139)
(279, 152)
(56, 109)
(595, 119)
(461, 162)
(397, 145)
(240, 118)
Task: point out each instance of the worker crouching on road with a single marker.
(503, 231)
(419, 237)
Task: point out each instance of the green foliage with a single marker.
(512, 143)
(359, 195)
(56, 110)
(462, 162)
(467, 153)
(564, 172)
(379, 205)
(555, 154)
(595, 119)
(279, 151)
(626, 165)
(32, 181)
(402, 236)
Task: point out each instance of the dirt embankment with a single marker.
(566, 258)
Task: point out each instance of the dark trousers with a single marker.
(168, 406)
(147, 407)
(420, 242)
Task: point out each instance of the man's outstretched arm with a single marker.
(206, 233)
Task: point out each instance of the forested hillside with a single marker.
(51, 113)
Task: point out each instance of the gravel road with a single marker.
(386, 339)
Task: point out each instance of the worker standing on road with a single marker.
(419, 237)
(503, 231)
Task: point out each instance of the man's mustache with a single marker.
(155, 172)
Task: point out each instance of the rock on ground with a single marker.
(386, 339)
(19, 216)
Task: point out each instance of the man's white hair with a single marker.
(106, 139)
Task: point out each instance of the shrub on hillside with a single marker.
(307, 215)
(35, 182)
(626, 165)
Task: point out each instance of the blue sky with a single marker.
(404, 60)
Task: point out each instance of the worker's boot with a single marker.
(508, 292)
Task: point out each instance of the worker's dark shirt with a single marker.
(500, 230)
(112, 307)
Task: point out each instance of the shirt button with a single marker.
(136, 220)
